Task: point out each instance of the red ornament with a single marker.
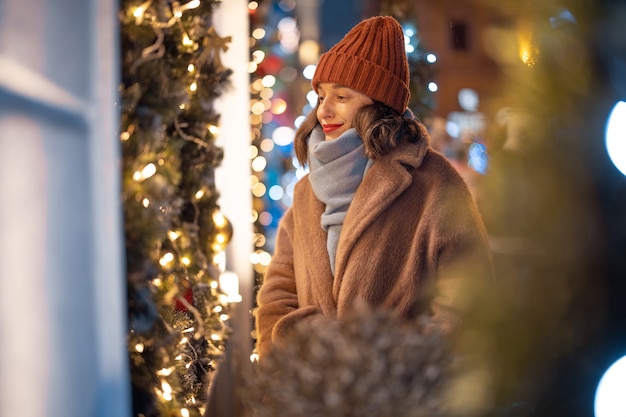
(270, 65)
(188, 296)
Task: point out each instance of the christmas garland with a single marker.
(178, 317)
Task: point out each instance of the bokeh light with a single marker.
(610, 400)
(615, 136)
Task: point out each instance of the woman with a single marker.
(381, 218)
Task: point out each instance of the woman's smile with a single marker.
(328, 128)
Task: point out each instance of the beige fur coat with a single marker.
(412, 239)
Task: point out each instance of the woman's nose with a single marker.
(324, 109)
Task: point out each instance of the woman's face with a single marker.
(337, 107)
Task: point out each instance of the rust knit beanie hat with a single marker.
(370, 59)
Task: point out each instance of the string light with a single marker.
(165, 372)
(167, 390)
(186, 40)
(166, 259)
(190, 5)
(199, 194)
(147, 171)
(213, 129)
(139, 12)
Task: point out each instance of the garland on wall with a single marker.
(175, 233)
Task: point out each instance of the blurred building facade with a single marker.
(458, 32)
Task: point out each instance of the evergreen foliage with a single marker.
(178, 319)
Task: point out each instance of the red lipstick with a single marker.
(330, 128)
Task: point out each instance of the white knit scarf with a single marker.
(336, 170)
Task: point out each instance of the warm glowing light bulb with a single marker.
(215, 130)
(257, 107)
(164, 372)
(186, 40)
(229, 283)
(219, 218)
(269, 81)
(193, 86)
(140, 10)
(258, 33)
(167, 391)
(191, 5)
(220, 260)
(259, 163)
(258, 56)
(148, 171)
(166, 259)
(264, 258)
(258, 190)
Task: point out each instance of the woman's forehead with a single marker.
(332, 86)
